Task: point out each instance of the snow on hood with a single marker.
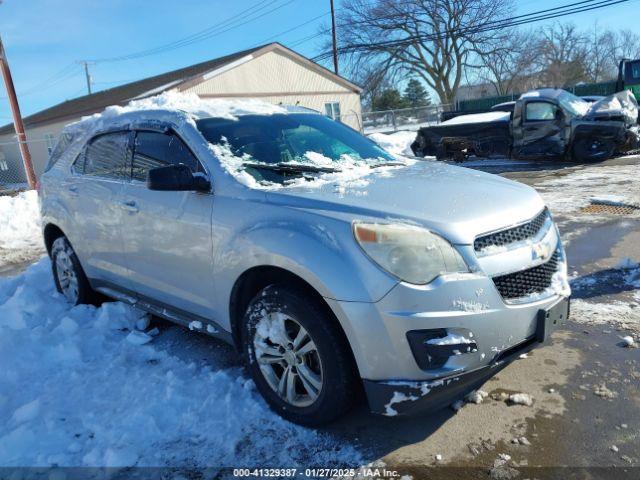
(457, 202)
(622, 103)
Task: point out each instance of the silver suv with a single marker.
(332, 265)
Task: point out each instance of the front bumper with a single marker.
(406, 397)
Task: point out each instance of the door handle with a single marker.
(130, 206)
(73, 190)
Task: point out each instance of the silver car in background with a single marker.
(415, 280)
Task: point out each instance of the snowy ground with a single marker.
(84, 389)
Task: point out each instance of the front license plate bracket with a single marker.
(551, 318)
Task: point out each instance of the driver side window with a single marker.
(540, 111)
(154, 149)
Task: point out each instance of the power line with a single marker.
(569, 9)
(238, 20)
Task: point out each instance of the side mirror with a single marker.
(176, 178)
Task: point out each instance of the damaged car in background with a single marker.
(542, 124)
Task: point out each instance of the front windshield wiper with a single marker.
(291, 167)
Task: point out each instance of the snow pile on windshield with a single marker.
(20, 235)
(346, 173)
(81, 390)
(398, 143)
(497, 116)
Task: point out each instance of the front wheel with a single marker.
(588, 150)
(68, 274)
(297, 357)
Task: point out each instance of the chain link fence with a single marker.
(388, 121)
(12, 174)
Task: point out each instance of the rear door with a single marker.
(94, 189)
(538, 130)
(167, 235)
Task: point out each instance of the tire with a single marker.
(68, 274)
(586, 150)
(317, 366)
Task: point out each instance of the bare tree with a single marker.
(434, 40)
(600, 60)
(510, 67)
(561, 55)
(627, 45)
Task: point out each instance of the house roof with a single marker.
(191, 75)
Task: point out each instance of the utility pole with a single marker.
(87, 75)
(17, 118)
(335, 41)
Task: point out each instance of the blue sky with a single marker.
(43, 38)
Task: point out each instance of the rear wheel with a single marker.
(68, 274)
(297, 357)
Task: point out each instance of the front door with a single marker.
(167, 235)
(538, 130)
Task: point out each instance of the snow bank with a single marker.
(20, 234)
(84, 389)
(398, 143)
(496, 116)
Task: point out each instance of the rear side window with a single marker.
(63, 143)
(105, 156)
(153, 149)
(540, 111)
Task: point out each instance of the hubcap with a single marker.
(67, 276)
(288, 359)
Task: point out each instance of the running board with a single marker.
(181, 317)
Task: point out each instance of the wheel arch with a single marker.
(255, 279)
(51, 231)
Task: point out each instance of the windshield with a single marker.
(576, 106)
(291, 138)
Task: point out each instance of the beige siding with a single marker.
(271, 73)
(276, 77)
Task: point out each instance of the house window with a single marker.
(332, 110)
(50, 140)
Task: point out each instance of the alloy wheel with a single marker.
(67, 277)
(288, 358)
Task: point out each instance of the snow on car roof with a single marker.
(172, 105)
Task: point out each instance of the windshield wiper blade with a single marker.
(291, 167)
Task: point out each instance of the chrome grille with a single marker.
(527, 282)
(512, 235)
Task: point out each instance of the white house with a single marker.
(270, 72)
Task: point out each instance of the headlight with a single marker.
(412, 254)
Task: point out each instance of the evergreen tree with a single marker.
(389, 99)
(415, 94)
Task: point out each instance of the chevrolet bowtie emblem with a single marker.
(542, 250)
